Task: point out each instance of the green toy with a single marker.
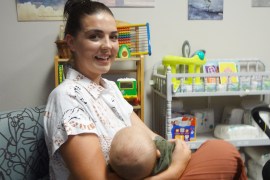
(128, 87)
(124, 51)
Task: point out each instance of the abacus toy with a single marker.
(136, 37)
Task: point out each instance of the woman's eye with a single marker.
(114, 37)
(94, 37)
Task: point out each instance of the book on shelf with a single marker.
(211, 67)
(228, 67)
(62, 68)
(60, 73)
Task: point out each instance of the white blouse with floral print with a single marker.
(77, 106)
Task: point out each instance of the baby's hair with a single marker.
(133, 153)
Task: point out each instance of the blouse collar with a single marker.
(94, 89)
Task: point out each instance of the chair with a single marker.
(23, 152)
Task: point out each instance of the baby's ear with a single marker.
(158, 153)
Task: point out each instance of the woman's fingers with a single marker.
(180, 157)
(182, 148)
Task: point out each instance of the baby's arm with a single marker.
(180, 158)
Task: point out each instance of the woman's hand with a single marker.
(180, 158)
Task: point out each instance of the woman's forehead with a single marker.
(102, 21)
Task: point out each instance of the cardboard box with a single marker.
(183, 128)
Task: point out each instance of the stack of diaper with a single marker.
(232, 128)
(236, 131)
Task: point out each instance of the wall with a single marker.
(27, 50)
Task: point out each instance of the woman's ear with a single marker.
(70, 41)
(158, 153)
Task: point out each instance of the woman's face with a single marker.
(96, 45)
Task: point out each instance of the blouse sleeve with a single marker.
(65, 116)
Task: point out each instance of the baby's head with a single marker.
(133, 153)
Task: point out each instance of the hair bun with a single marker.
(72, 5)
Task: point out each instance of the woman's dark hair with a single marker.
(75, 10)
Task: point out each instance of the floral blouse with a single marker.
(77, 106)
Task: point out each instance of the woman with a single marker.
(85, 111)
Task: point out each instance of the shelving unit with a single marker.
(163, 96)
(137, 64)
(238, 143)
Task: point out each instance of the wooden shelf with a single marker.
(122, 71)
(128, 59)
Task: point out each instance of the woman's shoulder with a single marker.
(64, 88)
(62, 97)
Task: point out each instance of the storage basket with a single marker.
(63, 49)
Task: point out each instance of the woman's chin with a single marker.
(105, 70)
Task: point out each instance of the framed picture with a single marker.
(260, 3)
(47, 10)
(205, 9)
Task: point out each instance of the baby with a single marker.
(134, 155)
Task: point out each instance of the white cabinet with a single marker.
(253, 82)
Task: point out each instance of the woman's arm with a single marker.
(180, 158)
(84, 158)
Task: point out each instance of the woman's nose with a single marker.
(106, 43)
